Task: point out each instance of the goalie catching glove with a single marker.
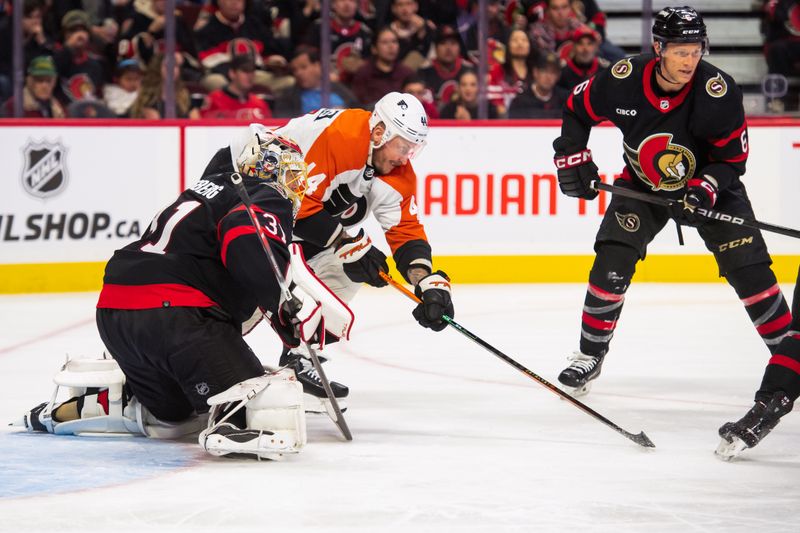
(575, 168)
(362, 261)
(434, 291)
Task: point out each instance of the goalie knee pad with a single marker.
(276, 423)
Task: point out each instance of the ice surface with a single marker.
(447, 436)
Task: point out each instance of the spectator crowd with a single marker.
(254, 59)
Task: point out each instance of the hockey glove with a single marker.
(434, 291)
(700, 193)
(362, 261)
(575, 169)
(299, 319)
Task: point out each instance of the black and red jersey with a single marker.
(203, 251)
(573, 73)
(668, 137)
(443, 81)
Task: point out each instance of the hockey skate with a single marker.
(227, 439)
(753, 426)
(314, 397)
(577, 377)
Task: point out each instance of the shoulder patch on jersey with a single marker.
(622, 69)
(716, 86)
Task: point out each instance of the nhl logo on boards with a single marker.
(628, 221)
(45, 172)
(622, 69)
(716, 86)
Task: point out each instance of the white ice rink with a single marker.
(447, 436)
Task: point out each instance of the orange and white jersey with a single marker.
(343, 190)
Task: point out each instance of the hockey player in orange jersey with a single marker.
(360, 163)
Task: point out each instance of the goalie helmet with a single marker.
(277, 160)
(680, 25)
(401, 114)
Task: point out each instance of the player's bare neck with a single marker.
(665, 85)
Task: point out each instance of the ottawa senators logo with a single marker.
(662, 164)
(622, 69)
(628, 221)
(716, 86)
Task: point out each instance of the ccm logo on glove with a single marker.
(573, 160)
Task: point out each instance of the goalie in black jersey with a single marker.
(176, 303)
(684, 138)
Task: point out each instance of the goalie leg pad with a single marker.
(276, 423)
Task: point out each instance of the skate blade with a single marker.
(321, 406)
(577, 392)
(729, 450)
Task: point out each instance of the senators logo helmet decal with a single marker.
(662, 164)
(716, 86)
(622, 69)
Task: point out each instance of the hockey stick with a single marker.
(641, 439)
(708, 213)
(337, 417)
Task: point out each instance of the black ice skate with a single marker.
(314, 393)
(37, 419)
(577, 377)
(753, 426)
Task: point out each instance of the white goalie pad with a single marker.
(123, 418)
(276, 422)
(337, 316)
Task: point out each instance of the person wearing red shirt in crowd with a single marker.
(382, 74)
(556, 28)
(583, 61)
(350, 39)
(441, 77)
(235, 99)
(37, 95)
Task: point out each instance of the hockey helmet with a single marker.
(402, 115)
(680, 25)
(277, 160)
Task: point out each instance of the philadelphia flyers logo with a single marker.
(622, 69)
(716, 86)
(662, 164)
(628, 221)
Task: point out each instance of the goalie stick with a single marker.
(708, 213)
(337, 416)
(641, 439)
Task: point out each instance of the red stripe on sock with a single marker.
(605, 325)
(774, 325)
(763, 295)
(787, 362)
(605, 295)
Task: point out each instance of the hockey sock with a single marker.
(783, 370)
(763, 300)
(610, 277)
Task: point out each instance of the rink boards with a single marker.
(77, 190)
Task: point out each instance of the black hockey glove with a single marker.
(434, 291)
(576, 170)
(362, 261)
(700, 193)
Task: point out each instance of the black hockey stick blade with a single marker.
(708, 213)
(641, 439)
(338, 419)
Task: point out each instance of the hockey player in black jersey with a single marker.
(780, 388)
(684, 138)
(174, 307)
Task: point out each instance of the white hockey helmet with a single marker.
(402, 114)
